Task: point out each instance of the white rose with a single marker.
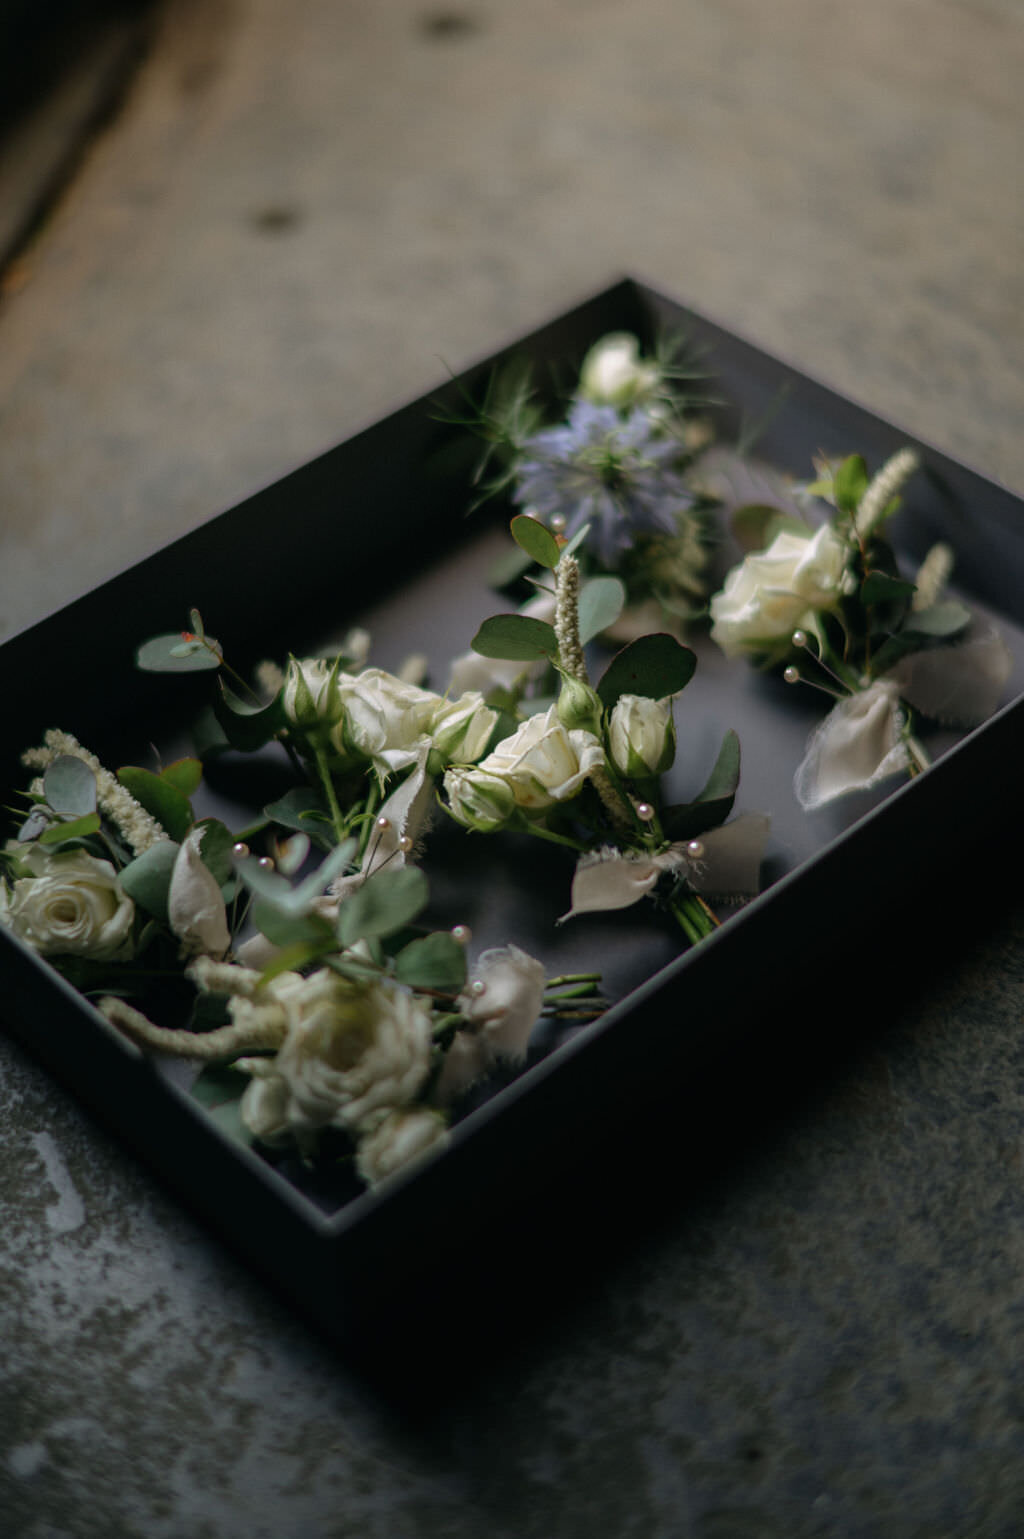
(385, 720)
(504, 1011)
(478, 800)
(774, 592)
(311, 695)
(400, 1139)
(641, 735)
(462, 728)
(543, 762)
(613, 373)
(71, 904)
(353, 1051)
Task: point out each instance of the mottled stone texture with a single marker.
(299, 213)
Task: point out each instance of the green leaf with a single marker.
(173, 654)
(383, 904)
(215, 847)
(942, 619)
(247, 727)
(75, 828)
(147, 879)
(519, 638)
(160, 799)
(576, 541)
(292, 958)
(880, 588)
(652, 666)
(185, 775)
(536, 539)
(69, 786)
(304, 811)
(293, 929)
(725, 777)
(218, 1084)
(601, 603)
(851, 482)
(277, 890)
(434, 962)
(715, 802)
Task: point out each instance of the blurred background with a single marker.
(231, 232)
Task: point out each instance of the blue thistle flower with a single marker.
(612, 471)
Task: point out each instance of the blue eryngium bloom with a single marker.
(616, 473)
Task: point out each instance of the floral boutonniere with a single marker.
(585, 771)
(829, 604)
(615, 466)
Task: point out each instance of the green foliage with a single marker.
(713, 804)
(304, 811)
(653, 666)
(247, 727)
(185, 775)
(177, 652)
(276, 889)
(161, 799)
(881, 588)
(69, 786)
(72, 828)
(940, 621)
(850, 483)
(215, 847)
(385, 903)
(436, 962)
(147, 879)
(518, 638)
(601, 603)
(535, 539)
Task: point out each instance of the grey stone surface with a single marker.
(300, 212)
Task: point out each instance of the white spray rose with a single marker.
(774, 592)
(311, 694)
(642, 735)
(543, 762)
(478, 800)
(71, 904)
(614, 374)
(385, 720)
(352, 1053)
(401, 1138)
(462, 728)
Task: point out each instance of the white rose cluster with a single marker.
(69, 903)
(542, 763)
(355, 1056)
(784, 588)
(374, 715)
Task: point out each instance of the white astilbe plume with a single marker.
(932, 577)
(887, 482)
(139, 828)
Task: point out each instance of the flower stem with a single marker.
(332, 796)
(919, 757)
(694, 917)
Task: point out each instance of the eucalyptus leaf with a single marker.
(601, 603)
(850, 483)
(74, 828)
(217, 1084)
(384, 903)
(275, 889)
(247, 727)
(293, 929)
(536, 539)
(173, 654)
(69, 786)
(304, 811)
(652, 666)
(519, 638)
(147, 879)
(576, 541)
(714, 803)
(185, 775)
(291, 959)
(215, 847)
(161, 800)
(942, 619)
(880, 588)
(435, 962)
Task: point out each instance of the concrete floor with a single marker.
(299, 215)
